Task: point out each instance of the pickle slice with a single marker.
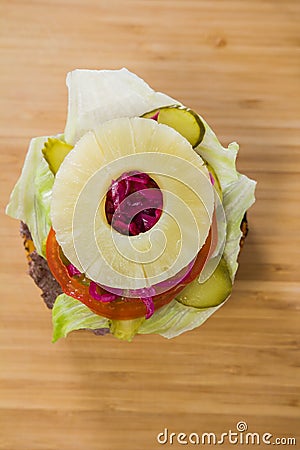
(182, 119)
(54, 152)
(212, 292)
(125, 329)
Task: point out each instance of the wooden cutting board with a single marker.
(238, 64)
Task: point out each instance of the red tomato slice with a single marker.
(122, 308)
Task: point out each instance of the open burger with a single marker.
(133, 218)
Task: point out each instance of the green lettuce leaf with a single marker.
(96, 96)
(69, 314)
(238, 197)
(238, 191)
(174, 319)
(31, 196)
(222, 160)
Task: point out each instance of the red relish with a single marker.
(133, 203)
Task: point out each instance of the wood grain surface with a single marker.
(238, 64)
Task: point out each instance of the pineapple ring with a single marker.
(78, 204)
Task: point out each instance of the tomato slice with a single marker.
(122, 308)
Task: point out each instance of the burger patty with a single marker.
(39, 270)
(42, 276)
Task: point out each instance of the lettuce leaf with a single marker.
(174, 319)
(238, 190)
(96, 96)
(31, 196)
(222, 160)
(69, 314)
(237, 199)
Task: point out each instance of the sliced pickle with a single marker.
(125, 329)
(182, 119)
(212, 292)
(54, 152)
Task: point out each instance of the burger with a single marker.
(133, 218)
